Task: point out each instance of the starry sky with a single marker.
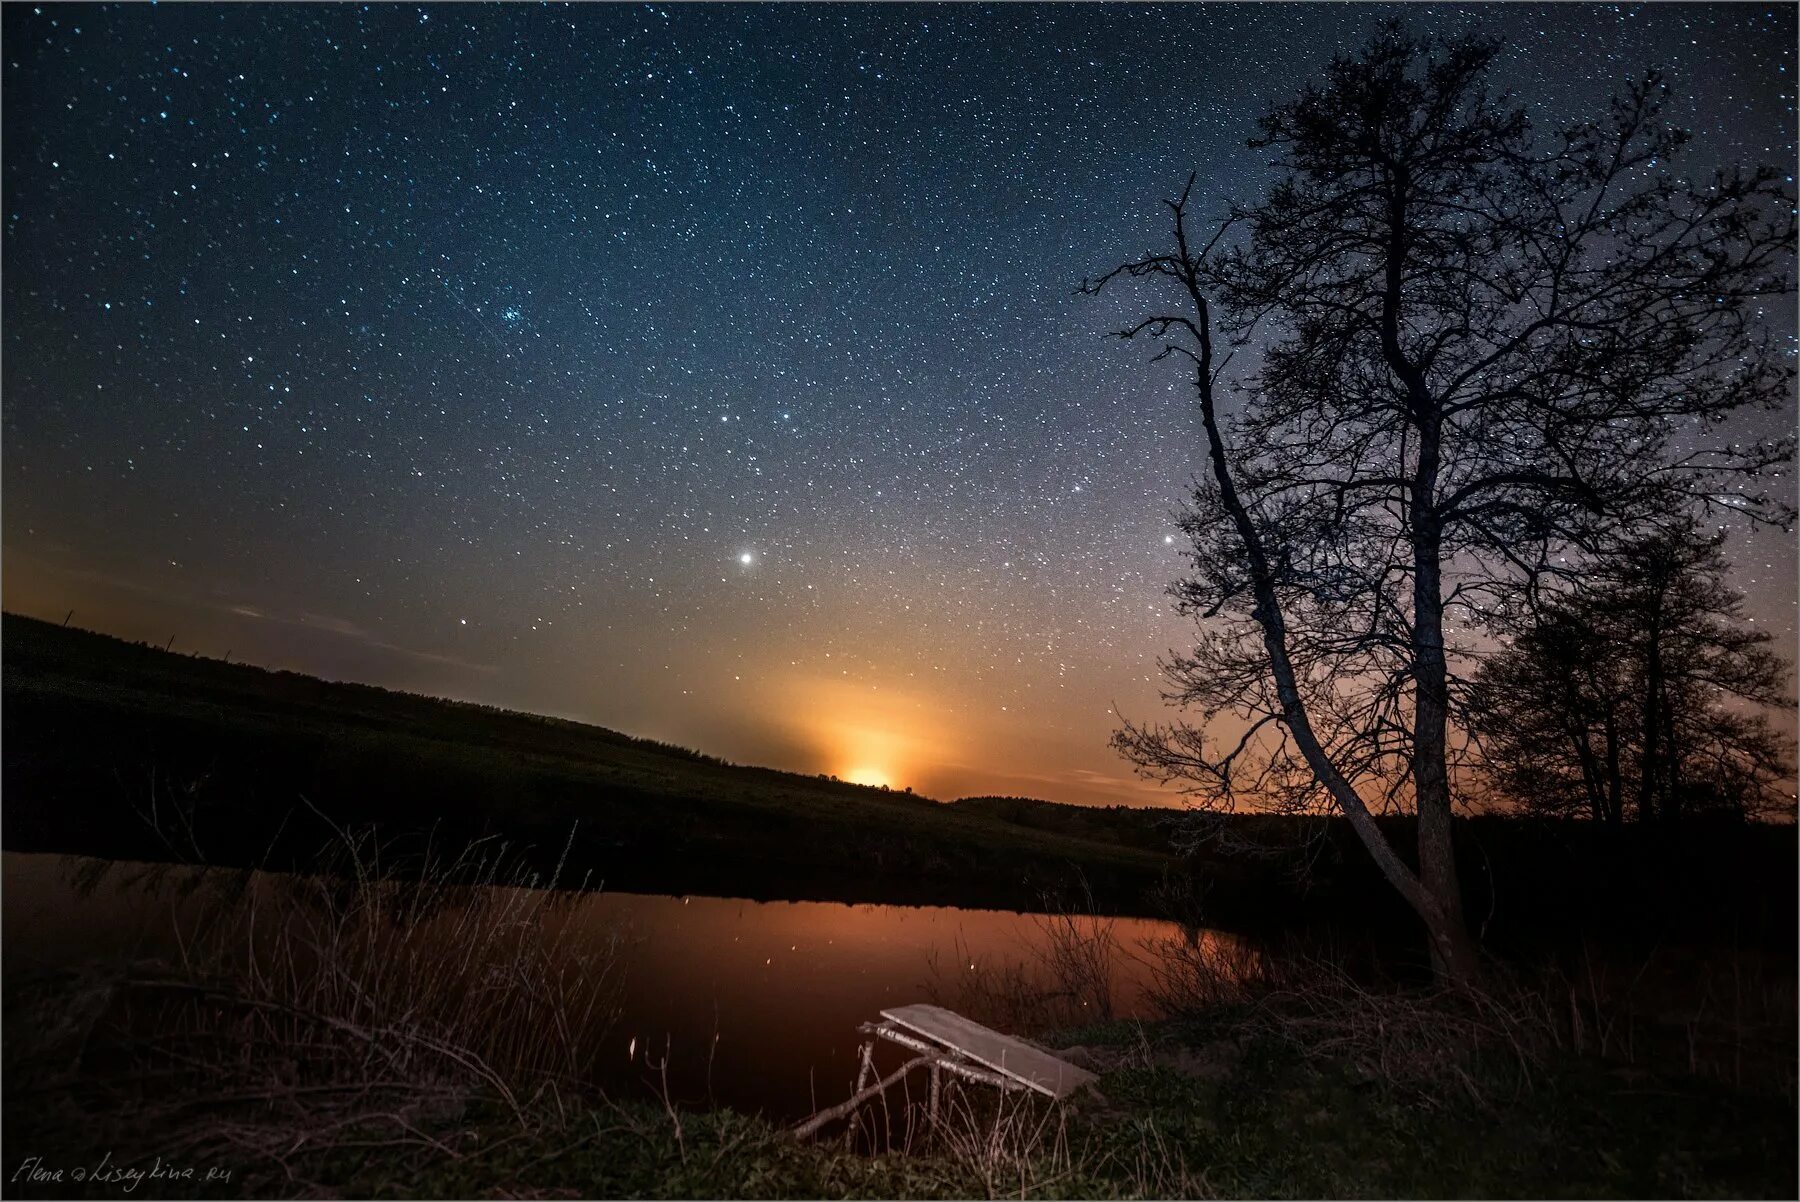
(709, 373)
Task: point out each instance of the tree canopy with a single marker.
(1478, 353)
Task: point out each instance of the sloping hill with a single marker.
(119, 749)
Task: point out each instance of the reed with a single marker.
(365, 1004)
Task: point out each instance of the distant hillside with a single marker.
(118, 749)
(240, 764)
(1131, 826)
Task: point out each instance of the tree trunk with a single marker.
(1615, 779)
(1591, 781)
(1580, 738)
(1650, 765)
(1453, 953)
(1671, 753)
(1452, 950)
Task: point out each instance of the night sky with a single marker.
(713, 374)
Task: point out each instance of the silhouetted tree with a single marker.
(1555, 712)
(1638, 692)
(1480, 352)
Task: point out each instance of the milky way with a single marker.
(710, 373)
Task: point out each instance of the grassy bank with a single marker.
(347, 1034)
(1208, 1107)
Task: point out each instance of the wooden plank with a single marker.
(1002, 1053)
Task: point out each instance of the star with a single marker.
(605, 287)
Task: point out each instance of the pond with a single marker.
(754, 1004)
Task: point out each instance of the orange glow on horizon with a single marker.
(879, 737)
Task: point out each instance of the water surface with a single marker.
(756, 1004)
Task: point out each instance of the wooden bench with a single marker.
(946, 1042)
(1011, 1058)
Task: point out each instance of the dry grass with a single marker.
(1426, 1042)
(1200, 970)
(1068, 978)
(305, 1015)
(1005, 993)
(1727, 1016)
(1008, 1142)
(1722, 1014)
(1018, 1145)
(982, 1142)
(1080, 952)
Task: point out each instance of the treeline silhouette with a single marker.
(121, 750)
(1639, 694)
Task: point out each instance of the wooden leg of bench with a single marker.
(865, 1069)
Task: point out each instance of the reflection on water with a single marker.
(756, 1004)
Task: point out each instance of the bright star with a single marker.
(746, 559)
